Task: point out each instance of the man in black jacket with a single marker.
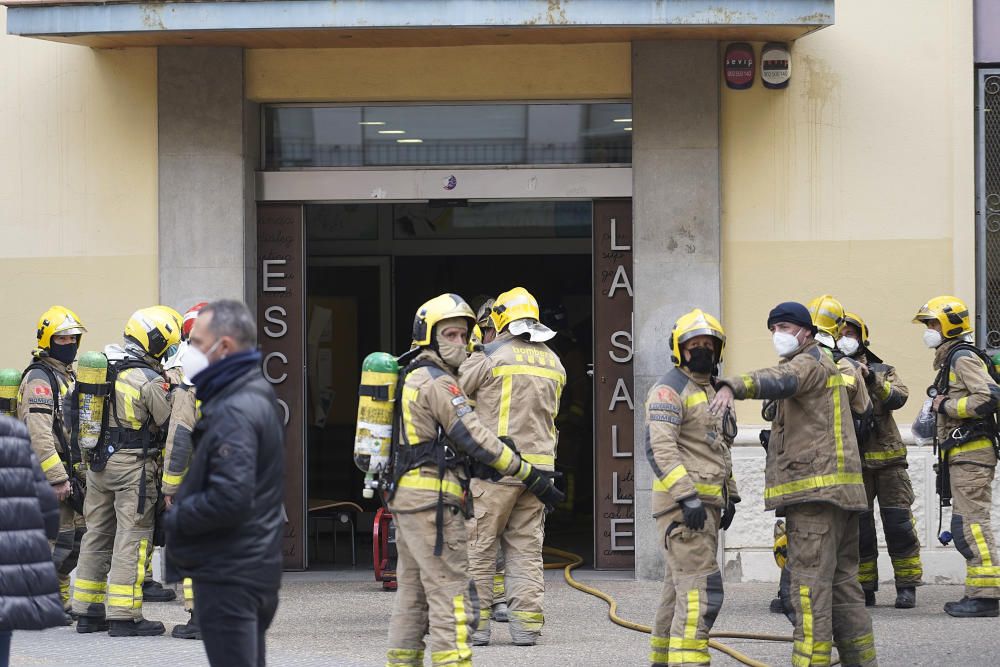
(225, 526)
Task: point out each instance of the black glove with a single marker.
(765, 437)
(694, 513)
(727, 515)
(542, 486)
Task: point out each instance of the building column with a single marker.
(676, 253)
(206, 161)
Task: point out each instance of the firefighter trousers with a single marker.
(828, 600)
(433, 593)
(112, 562)
(66, 548)
(692, 591)
(892, 487)
(511, 517)
(972, 500)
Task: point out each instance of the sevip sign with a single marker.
(614, 464)
(280, 317)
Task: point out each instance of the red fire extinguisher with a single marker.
(384, 549)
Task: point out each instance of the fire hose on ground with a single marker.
(571, 561)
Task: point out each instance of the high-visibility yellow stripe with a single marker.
(984, 550)
(821, 654)
(409, 396)
(51, 462)
(547, 373)
(834, 383)
(885, 455)
(885, 390)
(693, 613)
(404, 657)
(708, 489)
(173, 480)
(659, 642)
(539, 459)
(688, 657)
(121, 589)
(807, 620)
(89, 585)
(695, 399)
(685, 644)
(962, 407)
(749, 385)
(414, 480)
(983, 582)
(506, 458)
(461, 627)
(817, 482)
(124, 601)
(657, 658)
(671, 478)
(970, 447)
(90, 598)
(506, 389)
(990, 571)
(132, 396)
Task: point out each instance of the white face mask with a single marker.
(784, 343)
(195, 361)
(932, 338)
(848, 346)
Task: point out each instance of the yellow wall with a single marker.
(538, 72)
(858, 180)
(78, 187)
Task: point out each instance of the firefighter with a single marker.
(516, 382)
(694, 492)
(177, 451)
(883, 459)
(813, 478)
(434, 439)
(965, 404)
(43, 405)
(121, 482)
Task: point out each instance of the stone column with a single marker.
(205, 197)
(675, 163)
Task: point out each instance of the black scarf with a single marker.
(219, 375)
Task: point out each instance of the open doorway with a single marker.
(369, 267)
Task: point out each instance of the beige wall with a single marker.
(543, 71)
(78, 187)
(856, 181)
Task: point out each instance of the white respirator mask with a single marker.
(932, 338)
(848, 346)
(195, 361)
(784, 343)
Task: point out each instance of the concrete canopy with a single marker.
(356, 23)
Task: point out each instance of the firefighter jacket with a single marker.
(972, 397)
(436, 412)
(516, 386)
(183, 414)
(885, 447)
(857, 391)
(38, 408)
(685, 444)
(141, 401)
(813, 453)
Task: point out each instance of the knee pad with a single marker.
(867, 543)
(958, 534)
(714, 594)
(900, 535)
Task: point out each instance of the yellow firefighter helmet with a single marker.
(154, 329)
(780, 544)
(827, 314)
(950, 311)
(855, 319)
(515, 304)
(58, 321)
(695, 323)
(443, 307)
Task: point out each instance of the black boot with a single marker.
(140, 628)
(777, 606)
(906, 597)
(190, 630)
(973, 608)
(153, 591)
(86, 624)
(869, 598)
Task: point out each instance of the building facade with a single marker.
(335, 164)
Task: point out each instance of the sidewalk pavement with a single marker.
(341, 619)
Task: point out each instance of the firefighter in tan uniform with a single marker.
(966, 402)
(121, 482)
(178, 449)
(883, 459)
(43, 405)
(435, 437)
(694, 493)
(813, 477)
(516, 382)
